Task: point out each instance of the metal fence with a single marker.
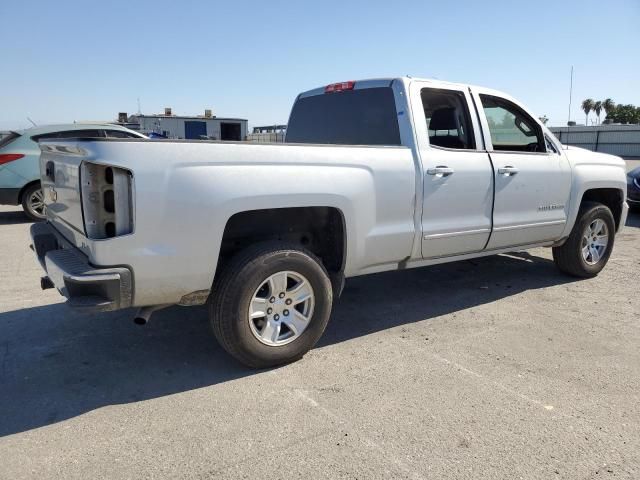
(621, 140)
(271, 137)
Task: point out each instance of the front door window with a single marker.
(511, 129)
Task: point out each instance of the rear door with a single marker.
(457, 173)
(532, 179)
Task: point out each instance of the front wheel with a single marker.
(270, 304)
(589, 246)
(33, 202)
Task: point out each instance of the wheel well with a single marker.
(318, 229)
(611, 197)
(24, 188)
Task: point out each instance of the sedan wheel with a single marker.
(33, 203)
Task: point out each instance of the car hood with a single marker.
(581, 156)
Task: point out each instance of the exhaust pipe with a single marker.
(144, 313)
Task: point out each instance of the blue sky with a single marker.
(66, 60)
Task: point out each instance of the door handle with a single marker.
(440, 171)
(508, 171)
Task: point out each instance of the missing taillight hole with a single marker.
(108, 175)
(49, 171)
(108, 201)
(110, 229)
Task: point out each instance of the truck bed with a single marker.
(184, 192)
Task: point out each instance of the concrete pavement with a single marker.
(486, 369)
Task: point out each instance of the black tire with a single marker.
(568, 257)
(28, 206)
(233, 291)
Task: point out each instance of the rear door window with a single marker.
(88, 133)
(120, 134)
(353, 117)
(448, 119)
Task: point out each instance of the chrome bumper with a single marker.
(69, 270)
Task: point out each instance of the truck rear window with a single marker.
(354, 117)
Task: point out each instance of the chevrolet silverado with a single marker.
(375, 175)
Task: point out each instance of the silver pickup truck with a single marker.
(376, 175)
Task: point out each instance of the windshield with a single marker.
(354, 117)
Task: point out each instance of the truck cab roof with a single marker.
(406, 80)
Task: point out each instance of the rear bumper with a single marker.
(9, 196)
(84, 286)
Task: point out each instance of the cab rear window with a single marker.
(353, 117)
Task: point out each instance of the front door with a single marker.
(457, 174)
(532, 177)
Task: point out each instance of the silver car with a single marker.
(19, 166)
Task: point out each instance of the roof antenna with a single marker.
(34, 123)
(139, 112)
(570, 98)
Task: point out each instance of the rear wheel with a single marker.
(271, 304)
(33, 202)
(587, 250)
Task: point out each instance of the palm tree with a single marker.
(609, 106)
(587, 106)
(597, 107)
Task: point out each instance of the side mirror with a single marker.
(524, 128)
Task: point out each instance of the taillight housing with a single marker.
(9, 157)
(340, 87)
(107, 200)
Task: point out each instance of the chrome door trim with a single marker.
(455, 234)
(529, 225)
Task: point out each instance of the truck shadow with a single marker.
(371, 304)
(377, 302)
(56, 364)
(14, 218)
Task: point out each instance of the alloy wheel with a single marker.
(281, 308)
(36, 203)
(595, 240)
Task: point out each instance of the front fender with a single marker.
(592, 176)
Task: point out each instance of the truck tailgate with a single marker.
(60, 177)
